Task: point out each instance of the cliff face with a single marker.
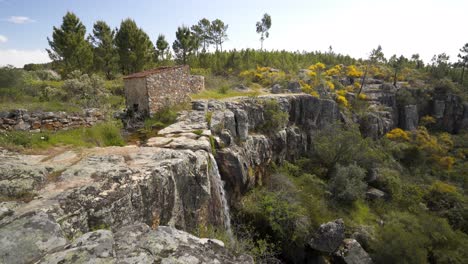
(244, 153)
(392, 107)
(174, 180)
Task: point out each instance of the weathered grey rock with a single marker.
(374, 194)
(294, 87)
(276, 89)
(409, 117)
(19, 177)
(22, 126)
(241, 87)
(30, 237)
(351, 252)
(5, 211)
(450, 112)
(328, 237)
(94, 247)
(375, 124)
(139, 244)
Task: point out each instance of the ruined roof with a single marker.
(153, 71)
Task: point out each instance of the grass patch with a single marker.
(6, 104)
(198, 132)
(104, 134)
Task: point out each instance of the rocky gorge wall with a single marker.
(173, 180)
(37, 121)
(392, 107)
(69, 204)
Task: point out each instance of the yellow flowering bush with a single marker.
(330, 85)
(342, 101)
(341, 92)
(398, 134)
(335, 70)
(362, 96)
(317, 66)
(427, 120)
(353, 72)
(446, 162)
(357, 85)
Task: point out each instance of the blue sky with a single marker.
(351, 27)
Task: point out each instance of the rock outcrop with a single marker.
(174, 180)
(351, 252)
(328, 237)
(138, 243)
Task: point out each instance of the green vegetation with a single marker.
(104, 134)
(275, 118)
(422, 218)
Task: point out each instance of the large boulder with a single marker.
(351, 252)
(328, 237)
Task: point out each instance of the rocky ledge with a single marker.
(176, 179)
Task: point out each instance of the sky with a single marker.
(351, 27)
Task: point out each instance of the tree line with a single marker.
(128, 49)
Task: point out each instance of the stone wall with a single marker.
(39, 121)
(167, 88)
(155, 89)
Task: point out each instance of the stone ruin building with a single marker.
(149, 91)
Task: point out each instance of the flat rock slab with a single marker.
(29, 238)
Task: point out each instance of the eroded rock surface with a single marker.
(328, 237)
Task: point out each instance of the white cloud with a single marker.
(20, 20)
(18, 58)
(3, 39)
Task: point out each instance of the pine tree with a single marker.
(202, 30)
(184, 44)
(105, 53)
(68, 48)
(262, 28)
(136, 51)
(219, 33)
(397, 64)
(463, 60)
(161, 45)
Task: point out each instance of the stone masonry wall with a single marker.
(39, 121)
(166, 88)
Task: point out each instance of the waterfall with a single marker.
(219, 185)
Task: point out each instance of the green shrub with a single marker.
(400, 240)
(336, 144)
(274, 118)
(347, 184)
(274, 214)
